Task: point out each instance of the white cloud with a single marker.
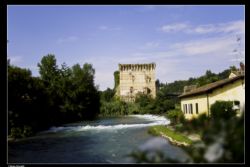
(176, 27)
(191, 58)
(67, 39)
(202, 29)
(201, 47)
(237, 27)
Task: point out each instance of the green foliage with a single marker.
(222, 136)
(163, 130)
(222, 110)
(107, 95)
(83, 98)
(58, 96)
(143, 99)
(27, 99)
(113, 108)
(133, 108)
(48, 68)
(195, 125)
(144, 104)
(157, 85)
(222, 142)
(16, 133)
(117, 79)
(153, 106)
(175, 116)
(27, 131)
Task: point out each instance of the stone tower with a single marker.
(135, 78)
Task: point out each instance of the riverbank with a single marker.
(174, 137)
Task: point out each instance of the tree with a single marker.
(157, 85)
(117, 78)
(48, 68)
(58, 96)
(233, 68)
(222, 110)
(107, 95)
(27, 103)
(84, 97)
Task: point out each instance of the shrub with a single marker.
(222, 110)
(16, 133)
(179, 127)
(175, 116)
(27, 131)
(193, 125)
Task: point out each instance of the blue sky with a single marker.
(183, 41)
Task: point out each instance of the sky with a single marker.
(183, 40)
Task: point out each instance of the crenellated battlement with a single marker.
(137, 67)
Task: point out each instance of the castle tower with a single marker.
(135, 78)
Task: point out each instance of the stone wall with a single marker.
(135, 78)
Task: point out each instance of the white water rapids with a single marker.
(154, 120)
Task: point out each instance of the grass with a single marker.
(160, 129)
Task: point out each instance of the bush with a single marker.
(175, 116)
(27, 131)
(133, 108)
(16, 133)
(222, 110)
(222, 141)
(143, 100)
(179, 127)
(194, 125)
(113, 108)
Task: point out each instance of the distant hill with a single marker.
(176, 87)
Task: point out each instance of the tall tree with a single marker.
(116, 78)
(48, 68)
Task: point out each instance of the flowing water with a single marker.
(107, 140)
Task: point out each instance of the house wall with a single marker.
(202, 105)
(232, 91)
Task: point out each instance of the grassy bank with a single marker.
(174, 137)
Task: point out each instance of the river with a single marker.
(106, 140)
